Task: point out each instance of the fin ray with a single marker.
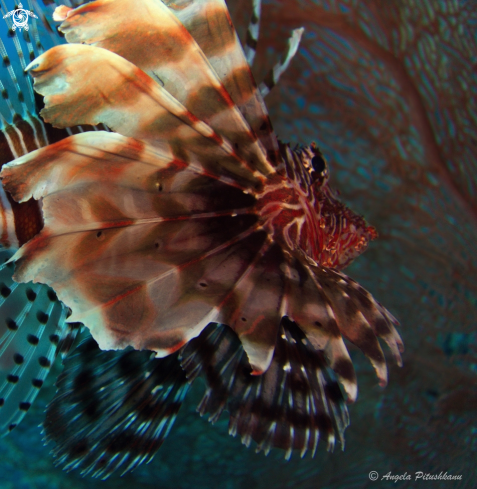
(173, 58)
(210, 25)
(112, 410)
(287, 407)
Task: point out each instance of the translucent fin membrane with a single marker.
(188, 215)
(294, 403)
(113, 410)
(272, 77)
(174, 60)
(192, 251)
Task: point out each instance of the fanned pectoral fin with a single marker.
(109, 158)
(88, 85)
(172, 58)
(113, 410)
(290, 406)
(210, 25)
(150, 253)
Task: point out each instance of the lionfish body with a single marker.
(188, 230)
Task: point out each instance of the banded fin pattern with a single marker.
(113, 410)
(21, 129)
(155, 116)
(250, 50)
(33, 331)
(179, 267)
(181, 221)
(192, 250)
(272, 77)
(210, 25)
(357, 309)
(174, 61)
(25, 134)
(294, 403)
(328, 306)
(251, 40)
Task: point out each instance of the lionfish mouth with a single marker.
(184, 228)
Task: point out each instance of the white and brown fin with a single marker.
(152, 234)
(33, 331)
(134, 105)
(358, 302)
(329, 306)
(20, 222)
(253, 30)
(172, 58)
(273, 76)
(112, 410)
(296, 402)
(190, 247)
(133, 237)
(210, 25)
(309, 307)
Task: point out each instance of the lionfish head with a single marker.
(347, 234)
(325, 229)
(316, 165)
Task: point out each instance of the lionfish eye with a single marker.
(318, 164)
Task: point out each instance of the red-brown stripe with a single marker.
(15, 145)
(27, 133)
(6, 153)
(28, 219)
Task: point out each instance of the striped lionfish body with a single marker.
(186, 229)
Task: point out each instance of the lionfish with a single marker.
(154, 200)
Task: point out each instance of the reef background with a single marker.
(387, 88)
